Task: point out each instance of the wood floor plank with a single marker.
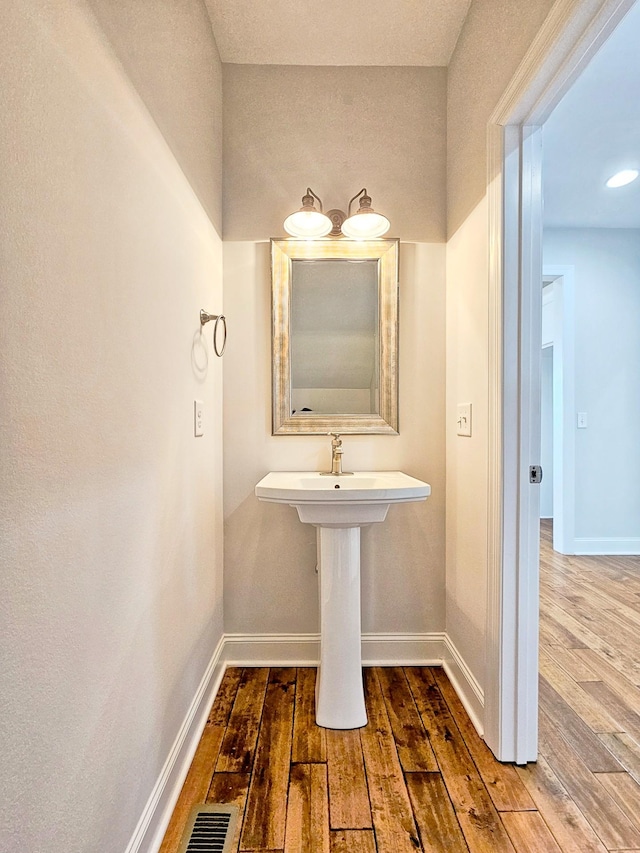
(435, 816)
(309, 740)
(606, 625)
(626, 719)
(353, 841)
(195, 787)
(501, 780)
(225, 697)
(611, 651)
(231, 788)
(615, 593)
(563, 817)
(238, 747)
(626, 751)
(528, 831)
(576, 667)
(547, 638)
(575, 731)
(482, 828)
(307, 829)
(393, 821)
(414, 750)
(559, 633)
(625, 792)
(348, 795)
(588, 709)
(618, 682)
(611, 825)
(265, 816)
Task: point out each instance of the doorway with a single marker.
(567, 42)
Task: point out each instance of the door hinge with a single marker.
(535, 473)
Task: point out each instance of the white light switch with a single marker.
(464, 418)
(582, 420)
(198, 417)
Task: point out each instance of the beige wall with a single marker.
(167, 54)
(270, 557)
(336, 130)
(467, 382)
(111, 541)
(493, 41)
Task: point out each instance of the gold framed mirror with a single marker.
(334, 336)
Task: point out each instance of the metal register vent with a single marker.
(209, 829)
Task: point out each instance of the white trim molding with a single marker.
(607, 546)
(403, 649)
(271, 649)
(465, 684)
(149, 832)
(304, 649)
(564, 439)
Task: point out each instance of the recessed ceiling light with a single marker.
(621, 179)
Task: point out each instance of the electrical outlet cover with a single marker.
(198, 418)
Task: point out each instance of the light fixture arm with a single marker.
(364, 202)
(306, 200)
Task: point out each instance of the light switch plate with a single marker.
(198, 418)
(464, 419)
(582, 420)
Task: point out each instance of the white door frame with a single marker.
(568, 39)
(564, 408)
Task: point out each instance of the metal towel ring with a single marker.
(205, 318)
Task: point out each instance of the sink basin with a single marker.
(339, 506)
(346, 501)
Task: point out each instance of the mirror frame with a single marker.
(283, 252)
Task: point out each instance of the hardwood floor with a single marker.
(418, 777)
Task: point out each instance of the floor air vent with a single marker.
(209, 829)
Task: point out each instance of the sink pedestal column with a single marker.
(339, 688)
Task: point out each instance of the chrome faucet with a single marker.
(336, 457)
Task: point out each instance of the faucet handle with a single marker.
(336, 442)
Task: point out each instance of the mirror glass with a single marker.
(334, 307)
(334, 337)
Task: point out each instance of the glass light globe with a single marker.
(308, 223)
(364, 225)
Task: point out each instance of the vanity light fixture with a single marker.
(309, 222)
(621, 179)
(365, 223)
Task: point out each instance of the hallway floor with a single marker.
(418, 777)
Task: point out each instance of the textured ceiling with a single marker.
(337, 32)
(594, 132)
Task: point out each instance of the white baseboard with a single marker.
(271, 649)
(154, 820)
(304, 649)
(434, 649)
(615, 546)
(465, 684)
(402, 649)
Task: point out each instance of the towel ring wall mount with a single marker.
(206, 318)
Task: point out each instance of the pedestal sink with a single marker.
(339, 506)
